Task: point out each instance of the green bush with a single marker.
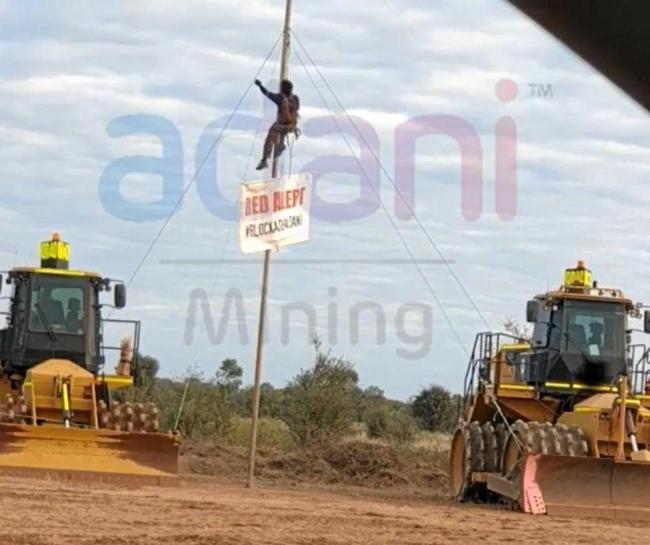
(207, 412)
(270, 399)
(271, 433)
(388, 421)
(434, 409)
(210, 406)
(166, 395)
(320, 404)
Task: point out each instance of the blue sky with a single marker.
(69, 71)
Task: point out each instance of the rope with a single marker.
(385, 209)
(292, 142)
(182, 404)
(397, 190)
(215, 281)
(520, 445)
(176, 206)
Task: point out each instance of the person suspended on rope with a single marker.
(286, 121)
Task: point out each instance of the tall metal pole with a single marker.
(261, 327)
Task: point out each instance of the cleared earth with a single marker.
(213, 511)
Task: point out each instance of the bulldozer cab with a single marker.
(578, 339)
(579, 346)
(51, 316)
(55, 312)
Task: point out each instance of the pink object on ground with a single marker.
(531, 500)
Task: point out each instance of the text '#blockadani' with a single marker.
(274, 213)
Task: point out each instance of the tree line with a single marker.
(321, 404)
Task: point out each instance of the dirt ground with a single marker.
(210, 511)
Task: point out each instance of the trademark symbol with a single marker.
(541, 90)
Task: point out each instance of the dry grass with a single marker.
(434, 441)
(424, 440)
(419, 467)
(350, 463)
(271, 434)
(274, 434)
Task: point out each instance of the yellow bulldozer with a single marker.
(560, 422)
(57, 412)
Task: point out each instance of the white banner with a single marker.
(274, 213)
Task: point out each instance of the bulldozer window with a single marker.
(596, 329)
(59, 303)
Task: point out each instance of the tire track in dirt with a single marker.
(201, 513)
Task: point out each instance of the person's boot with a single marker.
(262, 165)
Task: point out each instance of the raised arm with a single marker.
(276, 98)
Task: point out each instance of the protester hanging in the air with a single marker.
(286, 121)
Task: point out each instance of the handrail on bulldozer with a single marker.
(638, 367)
(488, 344)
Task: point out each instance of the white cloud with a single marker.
(582, 155)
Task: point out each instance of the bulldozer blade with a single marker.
(88, 454)
(585, 486)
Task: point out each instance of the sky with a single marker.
(107, 110)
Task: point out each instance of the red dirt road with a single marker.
(214, 512)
